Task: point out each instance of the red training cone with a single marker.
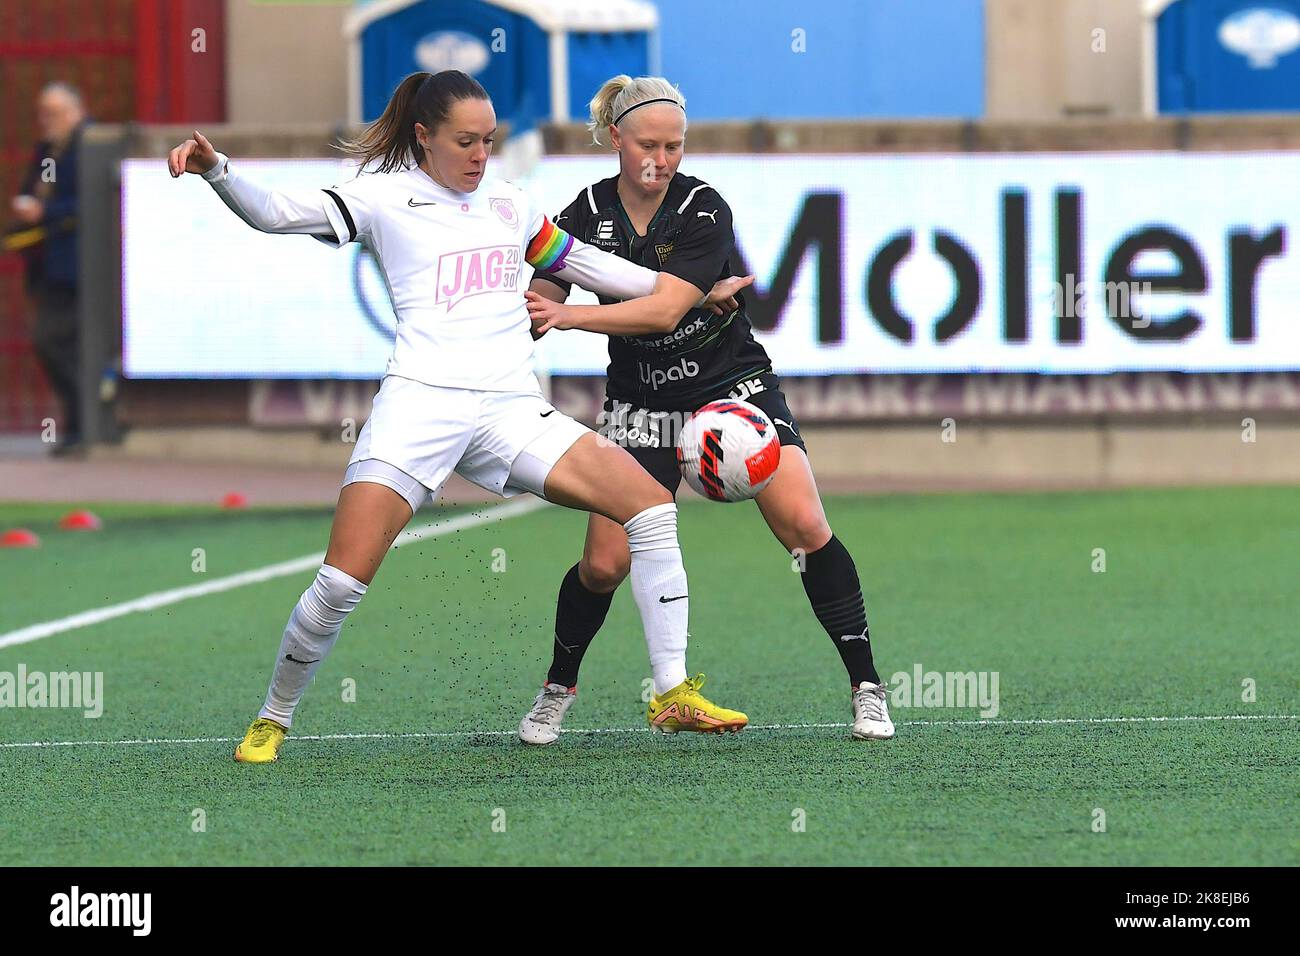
(19, 538)
(81, 521)
(234, 500)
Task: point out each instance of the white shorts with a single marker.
(417, 435)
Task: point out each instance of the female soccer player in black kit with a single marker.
(663, 367)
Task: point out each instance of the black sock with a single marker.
(579, 613)
(831, 583)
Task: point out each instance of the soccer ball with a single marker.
(728, 451)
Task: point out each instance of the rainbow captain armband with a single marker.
(547, 250)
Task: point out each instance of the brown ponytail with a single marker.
(420, 98)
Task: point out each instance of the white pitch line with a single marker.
(427, 735)
(307, 562)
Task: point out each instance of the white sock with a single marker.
(659, 587)
(312, 630)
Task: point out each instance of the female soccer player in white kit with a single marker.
(459, 392)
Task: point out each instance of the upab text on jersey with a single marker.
(678, 371)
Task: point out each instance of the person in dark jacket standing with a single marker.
(46, 214)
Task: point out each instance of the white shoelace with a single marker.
(870, 702)
(547, 707)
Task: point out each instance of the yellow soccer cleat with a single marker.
(685, 708)
(262, 742)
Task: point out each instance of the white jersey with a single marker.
(454, 264)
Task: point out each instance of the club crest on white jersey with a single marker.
(505, 210)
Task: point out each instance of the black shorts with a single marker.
(651, 436)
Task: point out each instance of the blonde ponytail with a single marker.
(621, 93)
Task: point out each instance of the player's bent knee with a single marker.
(324, 605)
(603, 573)
(807, 531)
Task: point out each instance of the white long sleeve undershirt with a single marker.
(269, 210)
(606, 274)
(302, 212)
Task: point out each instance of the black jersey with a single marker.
(690, 237)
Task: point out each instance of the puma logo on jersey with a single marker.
(471, 272)
(713, 216)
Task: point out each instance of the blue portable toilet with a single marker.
(1222, 56)
(539, 61)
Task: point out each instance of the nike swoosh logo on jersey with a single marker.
(413, 204)
(669, 600)
(544, 414)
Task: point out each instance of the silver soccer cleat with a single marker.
(541, 725)
(871, 713)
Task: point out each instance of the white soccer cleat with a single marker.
(871, 713)
(541, 726)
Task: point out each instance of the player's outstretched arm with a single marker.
(653, 301)
(658, 312)
(267, 210)
(554, 252)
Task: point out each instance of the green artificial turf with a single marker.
(1199, 595)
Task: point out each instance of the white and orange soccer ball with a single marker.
(728, 451)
